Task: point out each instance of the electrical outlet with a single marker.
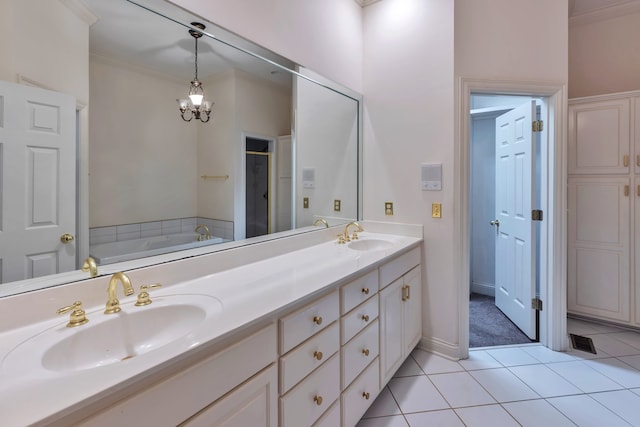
(436, 210)
(305, 203)
(388, 208)
(336, 205)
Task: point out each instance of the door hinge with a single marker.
(536, 215)
(537, 126)
(536, 304)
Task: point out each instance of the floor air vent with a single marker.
(582, 343)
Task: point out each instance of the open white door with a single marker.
(37, 182)
(515, 236)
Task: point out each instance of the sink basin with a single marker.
(370, 245)
(109, 339)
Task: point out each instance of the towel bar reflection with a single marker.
(214, 176)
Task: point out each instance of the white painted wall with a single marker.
(58, 38)
(322, 35)
(409, 105)
(604, 56)
(141, 154)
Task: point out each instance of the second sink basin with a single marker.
(113, 338)
(370, 244)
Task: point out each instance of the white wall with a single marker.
(604, 56)
(136, 136)
(323, 35)
(409, 101)
(57, 38)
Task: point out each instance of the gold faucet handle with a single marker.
(143, 296)
(354, 236)
(78, 316)
(341, 240)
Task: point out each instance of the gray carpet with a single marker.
(488, 326)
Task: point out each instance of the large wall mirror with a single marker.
(107, 163)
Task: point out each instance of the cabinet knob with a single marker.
(318, 400)
(365, 317)
(317, 355)
(365, 351)
(317, 320)
(365, 291)
(366, 395)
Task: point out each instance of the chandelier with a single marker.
(195, 105)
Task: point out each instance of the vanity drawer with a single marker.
(397, 267)
(331, 418)
(358, 319)
(299, 362)
(307, 401)
(359, 396)
(359, 352)
(307, 321)
(359, 290)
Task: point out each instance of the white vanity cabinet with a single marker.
(234, 386)
(309, 362)
(400, 311)
(603, 238)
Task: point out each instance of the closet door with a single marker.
(599, 137)
(599, 247)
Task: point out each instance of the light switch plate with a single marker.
(436, 210)
(336, 205)
(305, 203)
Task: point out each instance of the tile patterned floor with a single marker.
(526, 385)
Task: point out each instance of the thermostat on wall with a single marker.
(431, 176)
(308, 177)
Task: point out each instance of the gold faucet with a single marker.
(90, 267)
(321, 221)
(355, 234)
(206, 235)
(113, 305)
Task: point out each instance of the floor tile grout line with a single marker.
(594, 401)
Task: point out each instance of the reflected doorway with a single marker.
(258, 162)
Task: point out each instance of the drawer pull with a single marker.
(318, 400)
(365, 317)
(317, 320)
(317, 355)
(366, 395)
(365, 291)
(625, 160)
(365, 351)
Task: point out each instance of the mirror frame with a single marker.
(39, 283)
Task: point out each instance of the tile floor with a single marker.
(526, 385)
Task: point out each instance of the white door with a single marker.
(37, 182)
(515, 236)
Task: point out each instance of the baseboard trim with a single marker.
(483, 289)
(440, 347)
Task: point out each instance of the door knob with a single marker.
(495, 222)
(66, 238)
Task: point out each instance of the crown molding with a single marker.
(81, 10)
(365, 3)
(605, 13)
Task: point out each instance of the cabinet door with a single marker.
(599, 137)
(412, 309)
(253, 404)
(599, 247)
(391, 330)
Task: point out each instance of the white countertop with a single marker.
(248, 294)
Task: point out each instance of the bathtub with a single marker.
(124, 250)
